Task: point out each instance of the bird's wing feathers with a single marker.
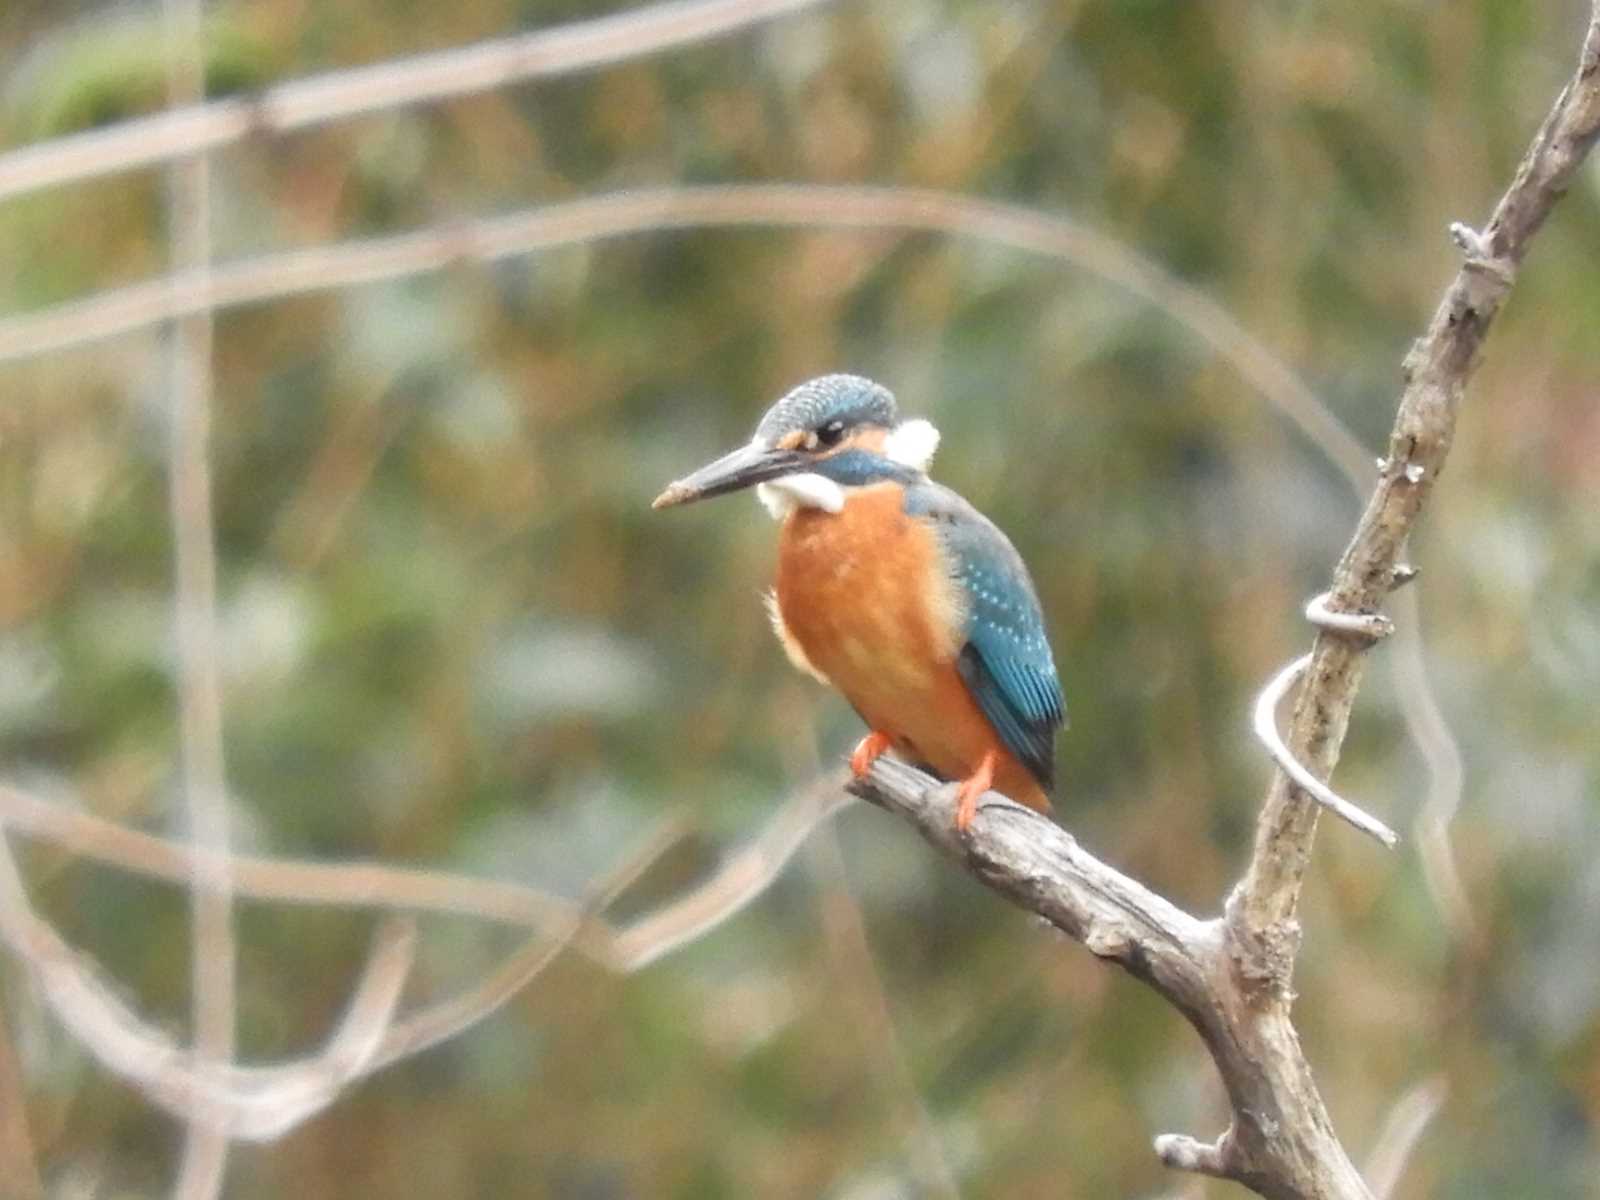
(1006, 660)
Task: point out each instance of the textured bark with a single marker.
(1231, 977)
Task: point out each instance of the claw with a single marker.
(868, 750)
(975, 785)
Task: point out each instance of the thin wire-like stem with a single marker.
(195, 598)
(893, 209)
(339, 95)
(794, 205)
(1446, 772)
(881, 1047)
(1402, 1129)
(1266, 727)
(741, 876)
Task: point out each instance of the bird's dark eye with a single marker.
(830, 433)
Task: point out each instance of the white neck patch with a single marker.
(783, 495)
(912, 443)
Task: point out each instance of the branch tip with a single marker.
(1184, 1153)
(1479, 255)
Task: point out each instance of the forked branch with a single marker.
(1231, 977)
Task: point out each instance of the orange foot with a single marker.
(975, 785)
(868, 750)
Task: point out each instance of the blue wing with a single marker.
(1006, 660)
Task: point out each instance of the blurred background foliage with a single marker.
(456, 635)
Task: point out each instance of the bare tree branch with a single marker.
(1231, 977)
(741, 876)
(260, 1103)
(224, 1099)
(808, 206)
(211, 958)
(1436, 371)
(1445, 771)
(805, 206)
(426, 78)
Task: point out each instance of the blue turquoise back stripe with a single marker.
(1006, 661)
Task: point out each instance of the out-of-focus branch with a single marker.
(222, 1099)
(258, 1103)
(803, 206)
(872, 1022)
(1402, 1130)
(739, 878)
(205, 801)
(338, 95)
(1229, 976)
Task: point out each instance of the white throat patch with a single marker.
(912, 443)
(783, 495)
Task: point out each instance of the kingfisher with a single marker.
(894, 590)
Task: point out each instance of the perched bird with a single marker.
(897, 592)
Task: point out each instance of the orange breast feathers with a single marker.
(865, 601)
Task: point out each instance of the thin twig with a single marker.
(1446, 772)
(205, 801)
(442, 1021)
(426, 78)
(355, 263)
(285, 881)
(1402, 1130)
(804, 206)
(225, 1100)
(264, 1102)
(743, 874)
(880, 1041)
(1436, 372)
(740, 878)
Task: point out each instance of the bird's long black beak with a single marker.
(740, 468)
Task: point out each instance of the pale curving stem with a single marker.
(205, 802)
(1367, 627)
(1053, 235)
(340, 95)
(1266, 730)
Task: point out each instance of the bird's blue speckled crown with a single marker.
(847, 398)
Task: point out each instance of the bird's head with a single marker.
(829, 433)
